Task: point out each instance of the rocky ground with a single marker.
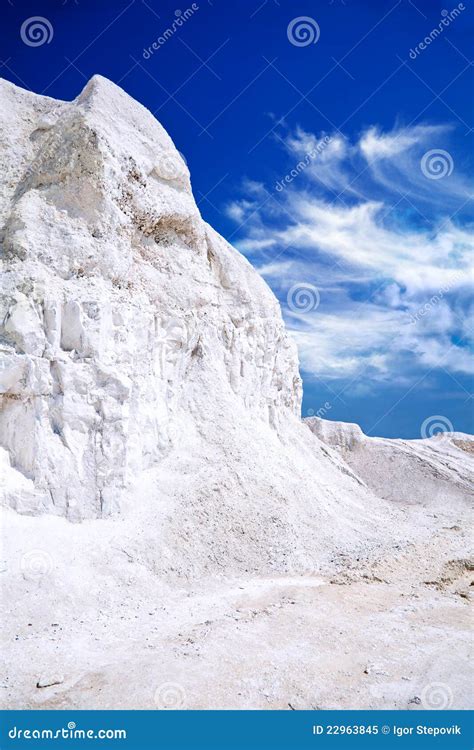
(388, 630)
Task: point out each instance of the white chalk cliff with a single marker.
(145, 365)
(122, 310)
(169, 523)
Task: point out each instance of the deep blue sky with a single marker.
(231, 90)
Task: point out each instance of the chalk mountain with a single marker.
(169, 522)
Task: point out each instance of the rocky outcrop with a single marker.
(437, 471)
(146, 373)
(119, 303)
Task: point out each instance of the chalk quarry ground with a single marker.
(389, 630)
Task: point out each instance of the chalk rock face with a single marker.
(344, 436)
(127, 323)
(437, 471)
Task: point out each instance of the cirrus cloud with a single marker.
(389, 250)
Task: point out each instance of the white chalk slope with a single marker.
(437, 471)
(139, 346)
(150, 436)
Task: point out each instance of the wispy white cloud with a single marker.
(375, 235)
(360, 236)
(378, 164)
(374, 144)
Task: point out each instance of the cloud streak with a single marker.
(388, 247)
